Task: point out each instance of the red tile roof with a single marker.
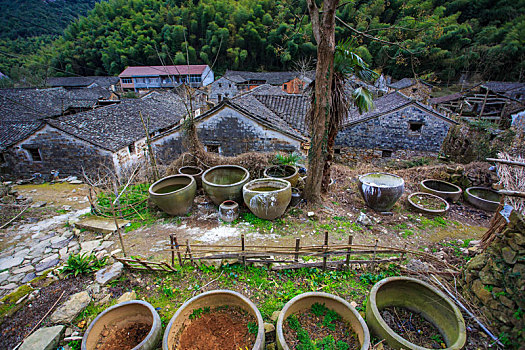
(142, 71)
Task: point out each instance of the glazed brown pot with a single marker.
(174, 194)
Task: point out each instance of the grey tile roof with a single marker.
(77, 82)
(446, 98)
(12, 132)
(291, 108)
(403, 83)
(273, 78)
(117, 126)
(503, 86)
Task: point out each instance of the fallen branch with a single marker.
(13, 219)
(41, 320)
(470, 314)
(505, 161)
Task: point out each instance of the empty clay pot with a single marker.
(225, 182)
(174, 194)
(267, 198)
(483, 198)
(228, 211)
(194, 171)
(380, 190)
(284, 172)
(443, 189)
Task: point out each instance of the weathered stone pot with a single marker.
(284, 172)
(174, 194)
(194, 171)
(380, 190)
(228, 211)
(420, 297)
(211, 299)
(267, 198)
(443, 189)
(225, 182)
(421, 208)
(123, 315)
(339, 305)
(483, 198)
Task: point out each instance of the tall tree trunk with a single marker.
(323, 27)
(332, 134)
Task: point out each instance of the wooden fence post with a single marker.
(374, 258)
(325, 249)
(242, 248)
(172, 245)
(188, 249)
(350, 240)
(297, 245)
(178, 251)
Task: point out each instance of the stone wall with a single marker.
(58, 151)
(392, 132)
(231, 133)
(495, 281)
(350, 155)
(223, 87)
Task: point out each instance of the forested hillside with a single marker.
(28, 25)
(440, 37)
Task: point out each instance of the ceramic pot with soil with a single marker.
(130, 325)
(267, 198)
(194, 171)
(323, 320)
(483, 198)
(289, 173)
(411, 314)
(219, 319)
(174, 194)
(443, 189)
(225, 182)
(228, 211)
(428, 203)
(380, 190)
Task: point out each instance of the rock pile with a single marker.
(495, 280)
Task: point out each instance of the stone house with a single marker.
(234, 82)
(112, 136)
(108, 83)
(257, 120)
(398, 126)
(23, 112)
(413, 88)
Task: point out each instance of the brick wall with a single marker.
(58, 151)
(392, 132)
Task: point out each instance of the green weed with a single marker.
(197, 313)
(81, 264)
(253, 328)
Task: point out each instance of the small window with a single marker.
(386, 153)
(414, 89)
(229, 85)
(415, 127)
(337, 150)
(34, 154)
(285, 86)
(220, 85)
(131, 148)
(213, 148)
(126, 81)
(2, 158)
(219, 97)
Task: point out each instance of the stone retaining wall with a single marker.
(495, 281)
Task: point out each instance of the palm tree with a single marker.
(347, 65)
